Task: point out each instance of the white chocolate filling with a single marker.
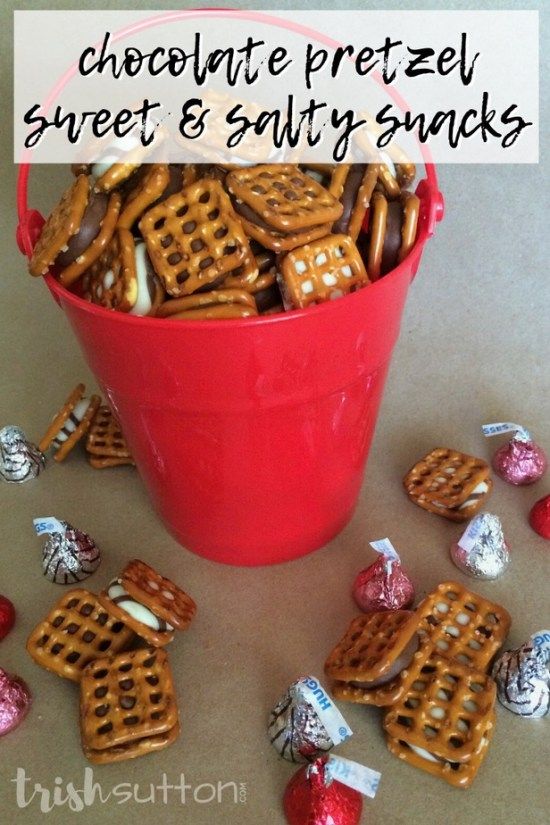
(114, 154)
(424, 754)
(387, 161)
(135, 609)
(72, 422)
(478, 491)
(145, 285)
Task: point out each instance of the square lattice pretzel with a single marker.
(105, 442)
(322, 270)
(458, 774)
(444, 710)
(77, 631)
(370, 645)
(463, 625)
(447, 482)
(193, 237)
(283, 197)
(127, 705)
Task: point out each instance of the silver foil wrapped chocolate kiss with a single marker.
(20, 460)
(482, 551)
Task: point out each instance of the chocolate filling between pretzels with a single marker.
(349, 197)
(268, 297)
(88, 232)
(392, 239)
(403, 660)
(248, 213)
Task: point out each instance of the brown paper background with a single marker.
(474, 347)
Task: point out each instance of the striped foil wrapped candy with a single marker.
(70, 557)
(20, 460)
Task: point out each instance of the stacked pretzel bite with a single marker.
(112, 645)
(429, 670)
(81, 416)
(212, 241)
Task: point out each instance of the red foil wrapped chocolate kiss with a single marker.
(384, 585)
(312, 799)
(539, 517)
(520, 461)
(7, 616)
(15, 701)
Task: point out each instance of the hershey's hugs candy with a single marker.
(305, 722)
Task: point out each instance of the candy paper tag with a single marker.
(471, 533)
(386, 549)
(47, 524)
(506, 427)
(541, 639)
(313, 692)
(352, 774)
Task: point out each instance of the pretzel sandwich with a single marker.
(146, 191)
(63, 223)
(71, 423)
(357, 190)
(77, 630)
(372, 653)
(127, 706)
(449, 483)
(462, 625)
(444, 720)
(219, 303)
(149, 603)
(194, 237)
(392, 231)
(280, 206)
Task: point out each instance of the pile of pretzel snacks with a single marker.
(428, 670)
(210, 241)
